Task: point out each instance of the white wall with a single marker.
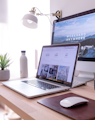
(14, 37)
(3, 11)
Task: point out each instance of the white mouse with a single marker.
(73, 101)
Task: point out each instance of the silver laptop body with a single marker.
(55, 72)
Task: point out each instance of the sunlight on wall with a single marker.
(20, 38)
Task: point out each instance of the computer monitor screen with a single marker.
(78, 28)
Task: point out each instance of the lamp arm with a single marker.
(41, 13)
(58, 13)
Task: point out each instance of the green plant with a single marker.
(4, 61)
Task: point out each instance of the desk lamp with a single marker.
(30, 20)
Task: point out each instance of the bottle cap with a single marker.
(23, 51)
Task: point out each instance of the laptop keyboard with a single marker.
(40, 84)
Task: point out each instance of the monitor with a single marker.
(78, 28)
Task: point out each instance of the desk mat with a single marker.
(81, 112)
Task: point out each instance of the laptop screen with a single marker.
(57, 63)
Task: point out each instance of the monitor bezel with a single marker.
(69, 17)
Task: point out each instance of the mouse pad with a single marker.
(80, 112)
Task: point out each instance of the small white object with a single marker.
(23, 65)
(72, 101)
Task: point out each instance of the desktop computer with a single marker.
(78, 28)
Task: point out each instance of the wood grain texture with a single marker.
(29, 109)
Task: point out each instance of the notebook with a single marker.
(55, 72)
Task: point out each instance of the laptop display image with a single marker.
(55, 72)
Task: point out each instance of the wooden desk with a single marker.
(29, 109)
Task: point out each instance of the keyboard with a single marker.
(40, 84)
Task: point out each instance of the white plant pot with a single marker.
(4, 74)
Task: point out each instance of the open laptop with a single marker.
(55, 72)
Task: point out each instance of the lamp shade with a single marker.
(30, 21)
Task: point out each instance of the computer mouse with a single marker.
(73, 101)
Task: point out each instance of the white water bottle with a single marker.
(23, 65)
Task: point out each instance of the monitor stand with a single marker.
(84, 76)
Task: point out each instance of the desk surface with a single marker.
(29, 109)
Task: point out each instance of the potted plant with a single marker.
(4, 63)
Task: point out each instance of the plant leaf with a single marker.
(4, 61)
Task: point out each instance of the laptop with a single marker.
(55, 72)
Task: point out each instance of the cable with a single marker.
(44, 15)
(49, 20)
